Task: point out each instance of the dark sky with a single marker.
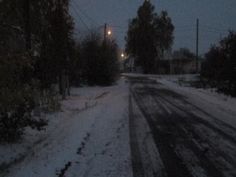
(216, 17)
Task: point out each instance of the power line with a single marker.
(80, 18)
(211, 30)
(94, 22)
(75, 19)
(203, 29)
(217, 29)
(116, 26)
(184, 29)
(83, 12)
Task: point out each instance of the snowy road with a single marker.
(141, 127)
(170, 136)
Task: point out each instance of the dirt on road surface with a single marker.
(172, 137)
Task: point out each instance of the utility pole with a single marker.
(105, 32)
(197, 45)
(27, 26)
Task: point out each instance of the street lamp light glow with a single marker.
(122, 55)
(109, 32)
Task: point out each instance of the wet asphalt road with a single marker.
(189, 141)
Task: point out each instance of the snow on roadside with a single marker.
(219, 105)
(93, 122)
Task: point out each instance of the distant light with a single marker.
(122, 55)
(109, 32)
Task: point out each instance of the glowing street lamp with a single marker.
(123, 56)
(109, 32)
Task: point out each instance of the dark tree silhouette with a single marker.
(99, 60)
(219, 68)
(148, 36)
(36, 44)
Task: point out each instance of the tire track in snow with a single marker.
(174, 165)
(136, 158)
(185, 128)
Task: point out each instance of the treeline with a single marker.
(96, 62)
(40, 60)
(219, 68)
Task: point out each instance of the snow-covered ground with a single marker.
(214, 103)
(193, 129)
(89, 137)
(217, 104)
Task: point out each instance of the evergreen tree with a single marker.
(164, 32)
(148, 36)
(61, 28)
(55, 43)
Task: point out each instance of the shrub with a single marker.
(16, 97)
(99, 60)
(219, 67)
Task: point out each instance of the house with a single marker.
(182, 66)
(181, 61)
